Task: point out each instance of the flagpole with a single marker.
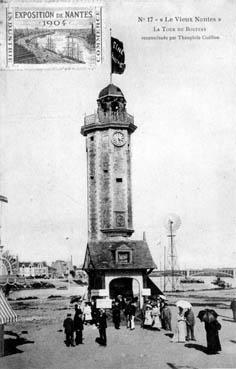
(110, 60)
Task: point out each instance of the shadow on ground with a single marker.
(173, 366)
(197, 347)
(10, 344)
(233, 341)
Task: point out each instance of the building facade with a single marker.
(33, 269)
(62, 268)
(115, 263)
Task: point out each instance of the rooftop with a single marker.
(101, 255)
(110, 90)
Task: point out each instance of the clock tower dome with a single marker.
(110, 252)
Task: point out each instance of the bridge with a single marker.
(208, 272)
(219, 272)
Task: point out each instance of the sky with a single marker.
(182, 96)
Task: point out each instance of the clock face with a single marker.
(118, 139)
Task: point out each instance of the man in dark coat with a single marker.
(102, 326)
(78, 325)
(127, 313)
(233, 307)
(212, 335)
(116, 315)
(190, 322)
(68, 325)
(166, 317)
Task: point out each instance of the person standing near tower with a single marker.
(69, 330)
(102, 326)
(132, 315)
(181, 330)
(166, 317)
(87, 313)
(116, 315)
(190, 321)
(78, 325)
(212, 334)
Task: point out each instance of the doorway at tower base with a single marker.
(104, 301)
(128, 284)
(125, 287)
(119, 268)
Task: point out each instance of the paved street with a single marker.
(126, 349)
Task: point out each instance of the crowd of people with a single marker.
(74, 326)
(155, 314)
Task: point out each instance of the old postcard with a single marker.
(117, 184)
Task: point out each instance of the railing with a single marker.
(90, 119)
(109, 117)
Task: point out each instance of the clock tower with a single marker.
(111, 254)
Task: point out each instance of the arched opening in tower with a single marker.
(126, 287)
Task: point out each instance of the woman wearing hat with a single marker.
(181, 328)
(156, 323)
(148, 316)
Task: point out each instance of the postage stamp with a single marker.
(47, 36)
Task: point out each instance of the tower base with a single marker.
(118, 268)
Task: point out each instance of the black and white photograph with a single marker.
(117, 184)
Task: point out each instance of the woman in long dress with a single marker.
(156, 323)
(212, 335)
(148, 316)
(181, 329)
(212, 327)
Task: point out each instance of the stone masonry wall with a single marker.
(109, 183)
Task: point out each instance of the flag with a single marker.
(117, 56)
(3, 198)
